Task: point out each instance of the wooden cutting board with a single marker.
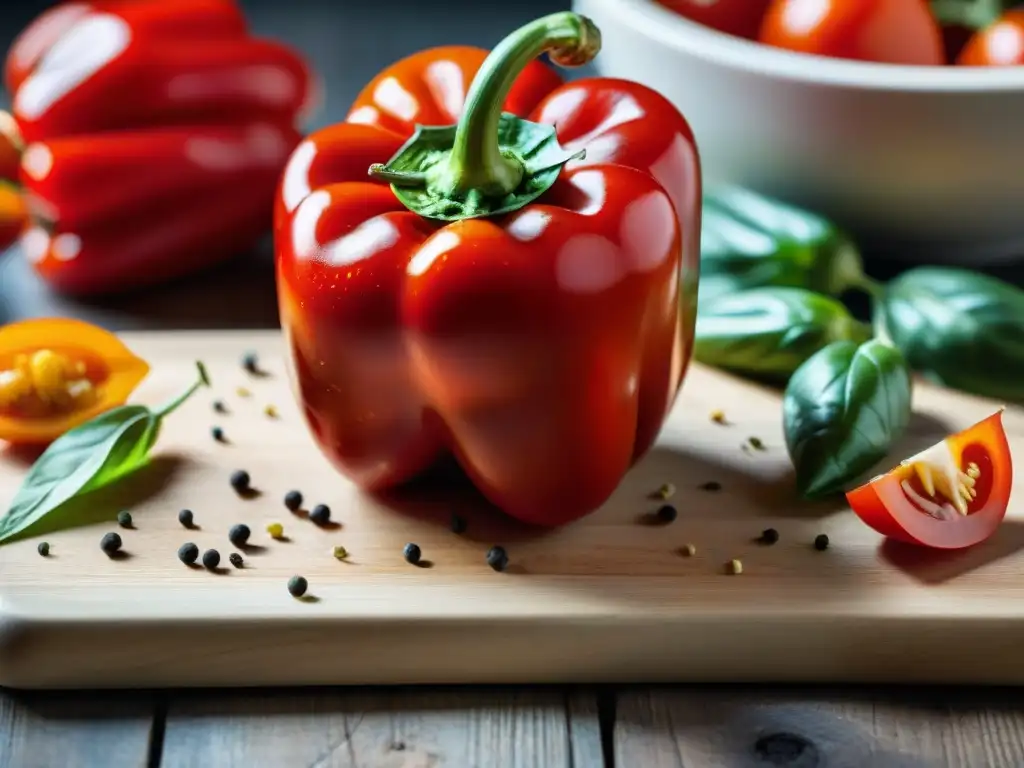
(610, 598)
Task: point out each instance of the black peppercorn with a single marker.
(124, 519)
(218, 434)
(235, 559)
(110, 543)
(458, 524)
(239, 534)
(240, 480)
(185, 518)
(293, 500)
(769, 536)
(188, 553)
(219, 407)
(711, 485)
(297, 586)
(211, 559)
(321, 514)
(251, 362)
(497, 558)
(821, 542)
(666, 513)
(43, 549)
(412, 553)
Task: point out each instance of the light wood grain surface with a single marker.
(612, 584)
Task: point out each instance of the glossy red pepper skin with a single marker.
(542, 348)
(1001, 44)
(155, 136)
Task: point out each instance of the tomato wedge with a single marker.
(950, 496)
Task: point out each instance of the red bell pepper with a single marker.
(155, 135)
(489, 293)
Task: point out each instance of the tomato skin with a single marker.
(882, 504)
(882, 31)
(741, 18)
(998, 45)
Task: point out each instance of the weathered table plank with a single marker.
(74, 730)
(751, 727)
(384, 729)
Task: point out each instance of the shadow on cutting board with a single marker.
(935, 566)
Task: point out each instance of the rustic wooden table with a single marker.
(640, 727)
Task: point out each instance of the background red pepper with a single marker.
(734, 17)
(542, 347)
(156, 132)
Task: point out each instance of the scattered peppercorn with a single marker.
(239, 534)
(718, 416)
(320, 514)
(821, 542)
(297, 586)
(688, 550)
(251, 362)
(188, 553)
(218, 434)
(43, 549)
(711, 485)
(276, 530)
(667, 491)
(293, 500)
(412, 553)
(667, 513)
(497, 558)
(458, 524)
(734, 567)
(211, 559)
(769, 536)
(240, 480)
(185, 517)
(236, 559)
(124, 519)
(339, 552)
(110, 543)
(243, 392)
(757, 443)
(219, 407)
(270, 411)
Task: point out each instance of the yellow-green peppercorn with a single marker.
(339, 552)
(718, 416)
(270, 411)
(734, 567)
(756, 443)
(276, 530)
(688, 550)
(243, 392)
(667, 491)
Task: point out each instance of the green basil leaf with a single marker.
(959, 328)
(750, 241)
(770, 332)
(90, 456)
(842, 411)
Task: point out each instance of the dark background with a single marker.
(348, 42)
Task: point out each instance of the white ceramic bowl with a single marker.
(925, 162)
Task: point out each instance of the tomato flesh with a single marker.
(884, 31)
(885, 504)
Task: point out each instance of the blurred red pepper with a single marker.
(741, 18)
(155, 133)
(533, 321)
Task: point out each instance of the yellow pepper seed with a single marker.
(276, 530)
(688, 550)
(50, 378)
(973, 471)
(667, 491)
(718, 416)
(339, 552)
(243, 392)
(270, 411)
(734, 567)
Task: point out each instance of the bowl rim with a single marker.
(650, 18)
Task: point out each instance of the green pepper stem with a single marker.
(476, 163)
(380, 172)
(870, 286)
(203, 380)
